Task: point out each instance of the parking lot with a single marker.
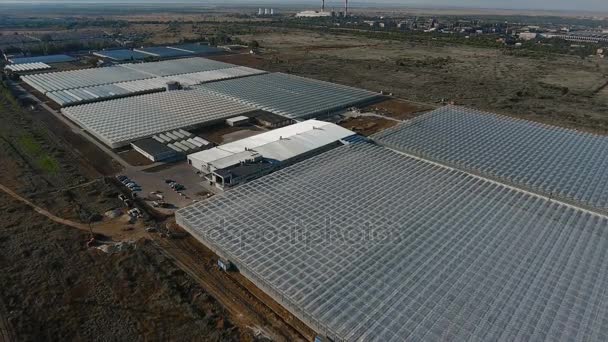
(154, 182)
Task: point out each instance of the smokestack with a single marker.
(323, 7)
(345, 8)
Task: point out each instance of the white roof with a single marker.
(238, 118)
(288, 148)
(27, 66)
(210, 155)
(280, 144)
(274, 135)
(233, 159)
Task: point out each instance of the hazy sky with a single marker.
(581, 5)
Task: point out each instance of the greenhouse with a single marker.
(88, 85)
(292, 96)
(364, 243)
(122, 121)
(557, 162)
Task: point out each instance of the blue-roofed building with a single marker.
(121, 55)
(164, 52)
(198, 49)
(43, 59)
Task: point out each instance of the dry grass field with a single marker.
(559, 90)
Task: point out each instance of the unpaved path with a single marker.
(43, 211)
(245, 307)
(237, 296)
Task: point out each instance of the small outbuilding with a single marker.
(154, 150)
(238, 121)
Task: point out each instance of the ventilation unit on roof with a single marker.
(173, 85)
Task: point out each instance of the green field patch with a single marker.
(42, 159)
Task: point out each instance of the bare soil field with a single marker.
(399, 109)
(366, 125)
(559, 90)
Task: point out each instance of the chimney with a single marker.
(346, 8)
(323, 7)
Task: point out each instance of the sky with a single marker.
(548, 5)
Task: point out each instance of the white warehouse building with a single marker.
(240, 161)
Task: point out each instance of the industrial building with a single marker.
(364, 243)
(292, 96)
(559, 163)
(119, 122)
(154, 150)
(89, 85)
(240, 161)
(315, 14)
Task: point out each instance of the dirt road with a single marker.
(234, 294)
(240, 297)
(43, 211)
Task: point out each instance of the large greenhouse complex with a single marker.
(457, 225)
(123, 103)
(364, 243)
(91, 85)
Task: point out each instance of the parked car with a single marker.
(125, 181)
(135, 212)
(122, 197)
(121, 177)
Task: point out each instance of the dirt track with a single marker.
(239, 296)
(43, 211)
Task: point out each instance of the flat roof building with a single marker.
(272, 150)
(153, 150)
